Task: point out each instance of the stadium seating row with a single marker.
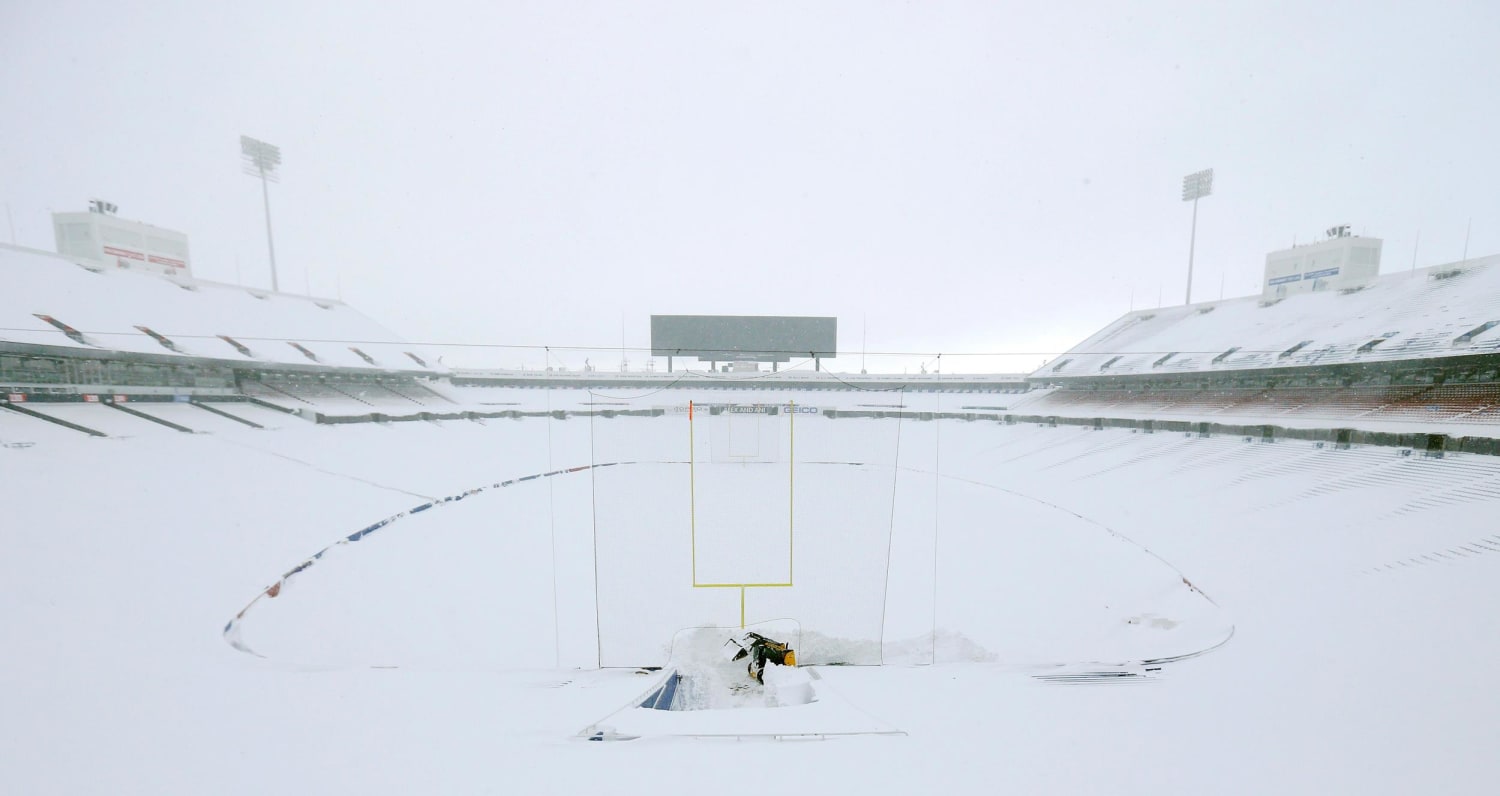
(1468, 403)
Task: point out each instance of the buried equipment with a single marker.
(761, 650)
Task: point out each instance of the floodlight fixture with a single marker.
(1195, 186)
(261, 160)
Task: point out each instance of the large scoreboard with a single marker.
(744, 338)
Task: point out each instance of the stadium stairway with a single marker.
(387, 389)
(132, 411)
(347, 394)
(434, 393)
(54, 420)
(264, 391)
(222, 413)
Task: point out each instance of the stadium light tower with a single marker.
(1195, 186)
(261, 160)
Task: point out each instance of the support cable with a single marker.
(594, 526)
(937, 466)
(552, 535)
(891, 529)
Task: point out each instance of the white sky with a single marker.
(965, 176)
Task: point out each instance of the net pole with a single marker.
(693, 491)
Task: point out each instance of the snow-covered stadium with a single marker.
(1204, 551)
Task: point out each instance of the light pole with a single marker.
(1195, 186)
(261, 160)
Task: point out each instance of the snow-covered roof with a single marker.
(1442, 311)
(132, 312)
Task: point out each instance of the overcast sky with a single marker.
(951, 177)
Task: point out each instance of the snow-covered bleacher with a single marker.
(346, 396)
(53, 303)
(1414, 349)
(1476, 404)
(1439, 312)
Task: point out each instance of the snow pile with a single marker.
(712, 679)
(706, 693)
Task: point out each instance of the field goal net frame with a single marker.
(761, 409)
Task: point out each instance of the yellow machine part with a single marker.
(791, 658)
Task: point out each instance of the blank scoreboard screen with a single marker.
(758, 338)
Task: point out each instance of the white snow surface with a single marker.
(1416, 315)
(456, 649)
(715, 698)
(107, 306)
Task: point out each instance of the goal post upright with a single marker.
(693, 491)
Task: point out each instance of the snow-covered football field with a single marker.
(1063, 581)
